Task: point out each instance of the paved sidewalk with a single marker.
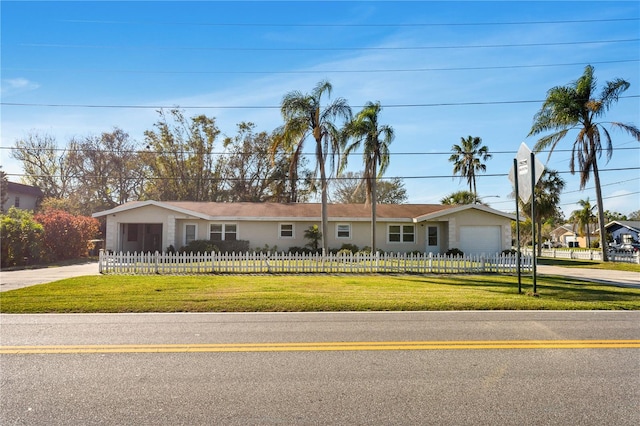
(603, 276)
(11, 280)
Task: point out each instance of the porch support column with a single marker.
(171, 232)
(113, 228)
(453, 234)
(506, 237)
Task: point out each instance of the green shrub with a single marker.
(454, 252)
(233, 246)
(301, 250)
(351, 247)
(21, 238)
(199, 246)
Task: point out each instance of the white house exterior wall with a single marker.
(261, 232)
(146, 215)
(478, 218)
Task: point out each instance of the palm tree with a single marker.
(575, 107)
(304, 116)
(376, 139)
(584, 217)
(461, 197)
(547, 195)
(467, 159)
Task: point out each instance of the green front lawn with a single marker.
(300, 293)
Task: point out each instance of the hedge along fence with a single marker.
(283, 263)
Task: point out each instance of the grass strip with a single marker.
(306, 293)
(589, 264)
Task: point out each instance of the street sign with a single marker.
(523, 158)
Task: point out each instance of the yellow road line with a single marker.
(322, 346)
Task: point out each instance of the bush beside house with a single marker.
(47, 236)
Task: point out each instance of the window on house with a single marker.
(286, 230)
(401, 233)
(215, 232)
(223, 232)
(190, 232)
(17, 202)
(432, 236)
(343, 230)
(230, 232)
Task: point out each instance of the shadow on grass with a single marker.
(566, 262)
(556, 287)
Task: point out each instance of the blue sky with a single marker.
(441, 70)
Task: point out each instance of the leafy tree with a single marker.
(610, 216)
(364, 129)
(305, 116)
(583, 218)
(314, 235)
(461, 197)
(66, 236)
(109, 170)
(180, 158)
(4, 188)
(467, 159)
(547, 194)
(247, 171)
(576, 107)
(20, 238)
(635, 215)
(45, 165)
(70, 205)
(349, 189)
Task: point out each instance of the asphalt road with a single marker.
(321, 368)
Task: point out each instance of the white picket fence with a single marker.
(586, 254)
(284, 263)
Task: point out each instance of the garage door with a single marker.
(480, 239)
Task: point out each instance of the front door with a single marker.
(432, 239)
(152, 238)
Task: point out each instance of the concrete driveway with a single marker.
(11, 280)
(601, 276)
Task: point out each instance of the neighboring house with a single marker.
(624, 231)
(569, 235)
(21, 196)
(154, 226)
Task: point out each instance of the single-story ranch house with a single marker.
(156, 225)
(624, 231)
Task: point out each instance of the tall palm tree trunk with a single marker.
(323, 208)
(374, 200)
(601, 224)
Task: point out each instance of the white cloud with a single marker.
(17, 85)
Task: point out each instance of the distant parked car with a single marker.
(552, 244)
(629, 248)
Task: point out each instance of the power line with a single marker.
(417, 105)
(352, 154)
(322, 49)
(222, 179)
(365, 71)
(346, 25)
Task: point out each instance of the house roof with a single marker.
(298, 211)
(574, 229)
(20, 188)
(634, 225)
